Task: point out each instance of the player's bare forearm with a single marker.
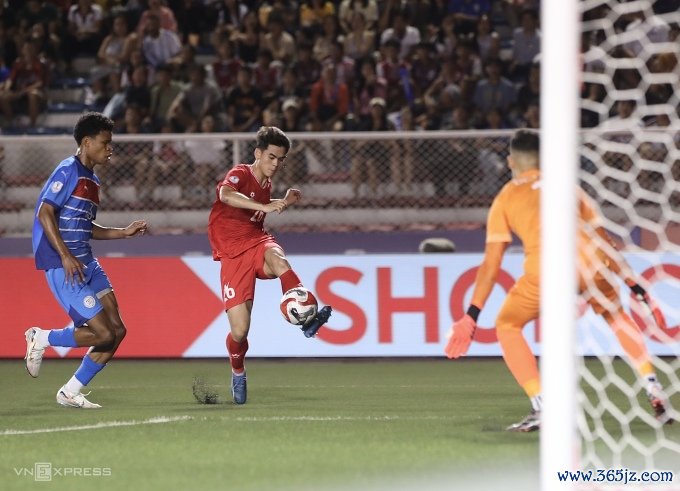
(136, 228)
(488, 272)
(239, 200)
(48, 220)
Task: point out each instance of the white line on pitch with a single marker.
(331, 418)
(108, 424)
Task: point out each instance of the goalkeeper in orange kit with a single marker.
(516, 209)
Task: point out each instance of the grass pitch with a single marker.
(308, 425)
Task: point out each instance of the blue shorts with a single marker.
(81, 300)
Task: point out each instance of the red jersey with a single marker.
(232, 231)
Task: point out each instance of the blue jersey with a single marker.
(73, 191)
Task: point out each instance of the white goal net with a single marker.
(630, 166)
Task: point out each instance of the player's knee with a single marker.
(120, 331)
(104, 337)
(505, 330)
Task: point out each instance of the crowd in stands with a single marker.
(201, 66)
(311, 65)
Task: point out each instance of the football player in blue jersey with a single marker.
(63, 225)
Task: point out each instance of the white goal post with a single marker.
(559, 130)
(610, 107)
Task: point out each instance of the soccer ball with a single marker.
(298, 306)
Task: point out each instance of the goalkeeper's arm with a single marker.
(463, 330)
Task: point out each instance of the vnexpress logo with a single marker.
(44, 471)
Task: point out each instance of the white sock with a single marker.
(73, 385)
(42, 338)
(536, 403)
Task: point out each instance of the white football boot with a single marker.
(68, 399)
(34, 354)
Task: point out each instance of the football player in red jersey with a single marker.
(245, 250)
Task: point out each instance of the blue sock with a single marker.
(63, 337)
(88, 369)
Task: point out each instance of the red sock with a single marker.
(237, 353)
(289, 280)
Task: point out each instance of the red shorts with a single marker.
(238, 274)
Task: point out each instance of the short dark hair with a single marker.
(91, 124)
(271, 135)
(525, 141)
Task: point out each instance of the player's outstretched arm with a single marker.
(463, 330)
(138, 227)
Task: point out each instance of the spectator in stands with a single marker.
(247, 38)
(329, 101)
(8, 48)
(165, 162)
(266, 75)
(406, 35)
(531, 117)
(307, 68)
(313, 12)
(83, 31)
(25, 89)
(192, 21)
(494, 91)
(8, 17)
(183, 63)
(494, 120)
(160, 46)
(289, 89)
(367, 88)
(466, 13)
(165, 16)
(277, 41)
(445, 91)
(195, 101)
(206, 162)
(530, 91)
(446, 39)
(330, 34)
(488, 40)
(468, 61)
(286, 9)
(226, 66)
(47, 44)
(163, 93)
(374, 156)
(133, 122)
(396, 74)
(424, 68)
(344, 65)
(136, 94)
(112, 56)
(37, 11)
(360, 41)
(244, 103)
(229, 15)
(368, 9)
(526, 45)
(295, 170)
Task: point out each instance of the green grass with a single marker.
(307, 425)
